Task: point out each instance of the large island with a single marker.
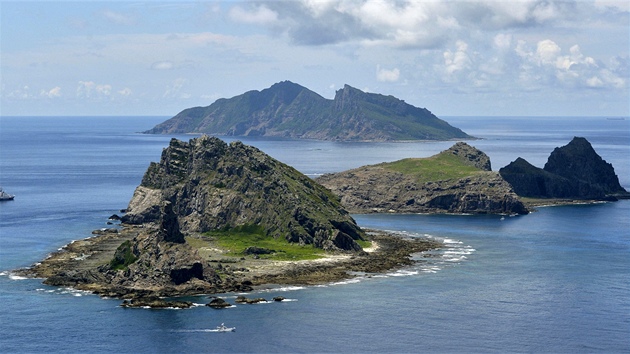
(213, 217)
(289, 110)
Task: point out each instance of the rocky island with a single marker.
(457, 180)
(289, 110)
(572, 172)
(213, 217)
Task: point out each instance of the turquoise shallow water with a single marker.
(552, 281)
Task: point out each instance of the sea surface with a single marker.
(556, 280)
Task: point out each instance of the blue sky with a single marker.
(504, 58)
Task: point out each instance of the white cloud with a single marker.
(162, 65)
(384, 75)
(90, 89)
(547, 51)
(174, 90)
(457, 60)
(52, 93)
(260, 15)
(126, 92)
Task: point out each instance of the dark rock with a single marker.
(244, 300)
(114, 217)
(182, 275)
(258, 250)
(155, 302)
(279, 298)
(572, 171)
(218, 303)
(105, 231)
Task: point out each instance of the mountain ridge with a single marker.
(289, 110)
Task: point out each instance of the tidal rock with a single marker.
(244, 300)
(218, 303)
(155, 302)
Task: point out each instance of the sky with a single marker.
(455, 58)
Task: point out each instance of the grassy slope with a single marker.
(441, 167)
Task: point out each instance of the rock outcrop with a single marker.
(573, 171)
(458, 180)
(206, 185)
(289, 110)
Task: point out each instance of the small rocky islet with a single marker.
(205, 192)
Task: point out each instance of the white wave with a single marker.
(4, 273)
(16, 277)
(449, 241)
(349, 281)
(403, 273)
(284, 288)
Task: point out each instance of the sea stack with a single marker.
(572, 171)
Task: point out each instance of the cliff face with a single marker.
(572, 171)
(290, 110)
(457, 180)
(206, 185)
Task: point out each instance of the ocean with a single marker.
(554, 281)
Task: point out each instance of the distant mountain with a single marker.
(289, 110)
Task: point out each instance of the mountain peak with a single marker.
(289, 110)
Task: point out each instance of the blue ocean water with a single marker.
(556, 280)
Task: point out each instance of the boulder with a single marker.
(218, 303)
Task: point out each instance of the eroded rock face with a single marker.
(206, 184)
(376, 188)
(572, 171)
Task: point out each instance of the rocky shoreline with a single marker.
(77, 265)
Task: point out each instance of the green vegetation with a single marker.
(236, 240)
(123, 257)
(364, 244)
(441, 167)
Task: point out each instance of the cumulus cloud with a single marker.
(162, 65)
(384, 75)
(258, 14)
(90, 89)
(405, 23)
(507, 63)
(126, 92)
(52, 93)
(572, 69)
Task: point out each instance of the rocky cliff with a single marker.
(457, 180)
(206, 184)
(573, 171)
(289, 110)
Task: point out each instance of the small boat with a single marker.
(5, 196)
(223, 328)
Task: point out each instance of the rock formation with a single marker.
(206, 184)
(458, 180)
(573, 171)
(290, 110)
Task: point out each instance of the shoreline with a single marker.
(79, 265)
